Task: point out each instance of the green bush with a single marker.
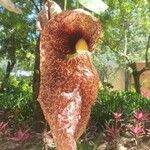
(18, 98)
(126, 102)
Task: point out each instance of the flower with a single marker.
(65, 35)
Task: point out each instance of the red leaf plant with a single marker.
(21, 136)
(112, 132)
(137, 130)
(141, 116)
(3, 128)
(117, 115)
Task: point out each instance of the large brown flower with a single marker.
(68, 79)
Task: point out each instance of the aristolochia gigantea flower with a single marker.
(68, 79)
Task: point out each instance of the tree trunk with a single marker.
(10, 66)
(137, 84)
(127, 80)
(137, 73)
(36, 75)
(136, 77)
(39, 120)
(126, 68)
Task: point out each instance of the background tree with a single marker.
(17, 40)
(126, 31)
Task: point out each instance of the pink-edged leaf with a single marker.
(137, 130)
(141, 116)
(21, 136)
(117, 115)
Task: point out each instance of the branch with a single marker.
(110, 46)
(143, 70)
(107, 44)
(146, 53)
(116, 52)
(41, 3)
(36, 7)
(147, 67)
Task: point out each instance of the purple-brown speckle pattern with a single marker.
(68, 87)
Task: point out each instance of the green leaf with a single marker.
(97, 6)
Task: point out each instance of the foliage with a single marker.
(126, 102)
(118, 127)
(125, 25)
(113, 130)
(121, 16)
(125, 31)
(18, 35)
(21, 136)
(17, 41)
(3, 129)
(18, 99)
(106, 64)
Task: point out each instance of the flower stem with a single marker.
(77, 4)
(65, 4)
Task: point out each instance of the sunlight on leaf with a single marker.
(8, 4)
(97, 6)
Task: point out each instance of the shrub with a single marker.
(18, 99)
(114, 101)
(117, 128)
